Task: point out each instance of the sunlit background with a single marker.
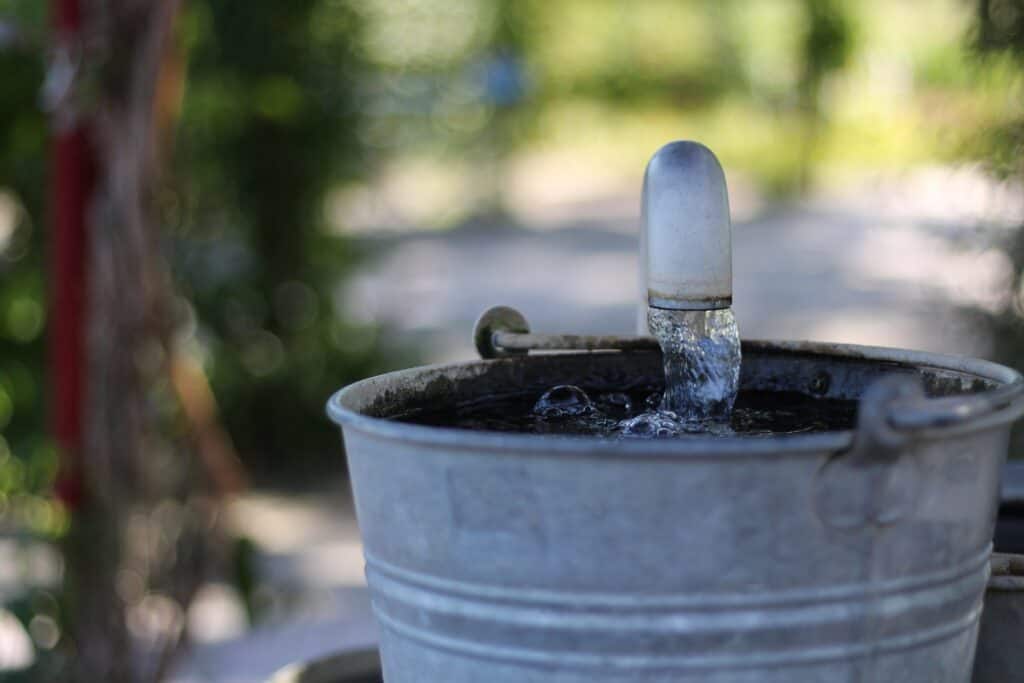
(353, 181)
(866, 185)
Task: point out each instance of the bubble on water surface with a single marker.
(564, 400)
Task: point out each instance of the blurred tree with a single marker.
(139, 541)
(827, 45)
(27, 459)
(998, 32)
(143, 533)
(267, 126)
(621, 53)
(1000, 26)
(270, 120)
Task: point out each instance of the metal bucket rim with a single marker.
(696, 446)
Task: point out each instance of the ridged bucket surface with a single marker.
(522, 558)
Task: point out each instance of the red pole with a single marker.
(71, 183)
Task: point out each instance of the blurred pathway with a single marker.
(311, 590)
(885, 262)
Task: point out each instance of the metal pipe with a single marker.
(514, 341)
(502, 331)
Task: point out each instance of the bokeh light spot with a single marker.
(24, 319)
(263, 354)
(44, 631)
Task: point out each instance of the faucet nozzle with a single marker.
(686, 234)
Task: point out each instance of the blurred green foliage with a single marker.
(788, 92)
(27, 457)
(270, 120)
(998, 39)
(1000, 26)
(826, 47)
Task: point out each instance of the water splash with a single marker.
(653, 424)
(701, 351)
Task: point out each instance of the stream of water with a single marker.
(701, 352)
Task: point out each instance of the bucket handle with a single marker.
(921, 413)
(874, 483)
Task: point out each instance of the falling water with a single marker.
(701, 351)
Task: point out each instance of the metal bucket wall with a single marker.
(513, 558)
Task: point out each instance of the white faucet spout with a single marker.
(687, 233)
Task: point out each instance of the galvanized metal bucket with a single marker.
(843, 556)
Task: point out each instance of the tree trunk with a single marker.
(141, 538)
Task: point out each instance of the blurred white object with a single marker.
(686, 232)
(16, 651)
